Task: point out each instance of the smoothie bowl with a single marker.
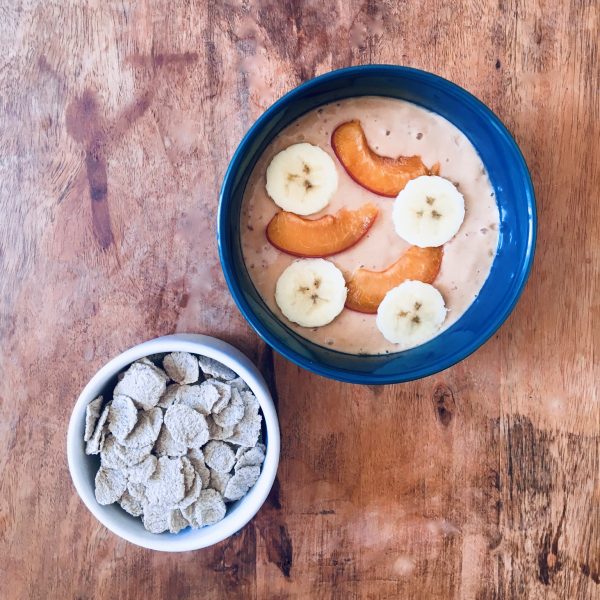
(377, 224)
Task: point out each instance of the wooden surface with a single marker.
(117, 122)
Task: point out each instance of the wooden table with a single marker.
(118, 120)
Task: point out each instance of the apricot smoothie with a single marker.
(392, 128)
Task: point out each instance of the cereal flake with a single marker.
(181, 367)
(166, 487)
(92, 413)
(156, 518)
(250, 457)
(233, 413)
(176, 521)
(132, 456)
(167, 445)
(109, 457)
(141, 472)
(241, 482)
(219, 481)
(110, 485)
(122, 416)
(96, 442)
(146, 430)
(208, 509)
(186, 425)
(199, 397)
(143, 383)
(224, 390)
(219, 456)
(214, 368)
(130, 504)
(170, 395)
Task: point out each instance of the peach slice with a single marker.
(315, 238)
(366, 289)
(379, 174)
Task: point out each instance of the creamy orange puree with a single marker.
(392, 127)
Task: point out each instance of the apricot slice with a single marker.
(366, 289)
(315, 238)
(379, 174)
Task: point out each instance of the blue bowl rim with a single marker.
(350, 376)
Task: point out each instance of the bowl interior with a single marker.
(84, 467)
(514, 194)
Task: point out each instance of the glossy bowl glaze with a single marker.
(514, 194)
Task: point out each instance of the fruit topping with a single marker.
(327, 235)
(366, 289)
(380, 174)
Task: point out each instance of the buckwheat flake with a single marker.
(109, 457)
(196, 458)
(130, 504)
(250, 457)
(224, 390)
(188, 473)
(166, 445)
(132, 456)
(110, 485)
(247, 431)
(141, 472)
(196, 454)
(241, 482)
(204, 474)
(145, 361)
(181, 367)
(146, 429)
(216, 432)
(156, 518)
(192, 494)
(199, 397)
(137, 491)
(219, 481)
(233, 413)
(170, 395)
(219, 456)
(96, 442)
(92, 413)
(186, 425)
(176, 521)
(207, 510)
(166, 485)
(122, 416)
(251, 404)
(143, 383)
(239, 384)
(214, 368)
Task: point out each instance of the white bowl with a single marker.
(83, 467)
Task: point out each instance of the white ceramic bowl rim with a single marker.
(113, 516)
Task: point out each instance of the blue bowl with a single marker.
(514, 193)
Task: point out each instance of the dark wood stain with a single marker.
(279, 548)
(444, 404)
(87, 126)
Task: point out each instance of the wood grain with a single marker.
(118, 121)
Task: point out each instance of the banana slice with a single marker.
(411, 313)
(311, 292)
(428, 212)
(302, 179)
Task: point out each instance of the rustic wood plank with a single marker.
(118, 120)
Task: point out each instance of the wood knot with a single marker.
(443, 403)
